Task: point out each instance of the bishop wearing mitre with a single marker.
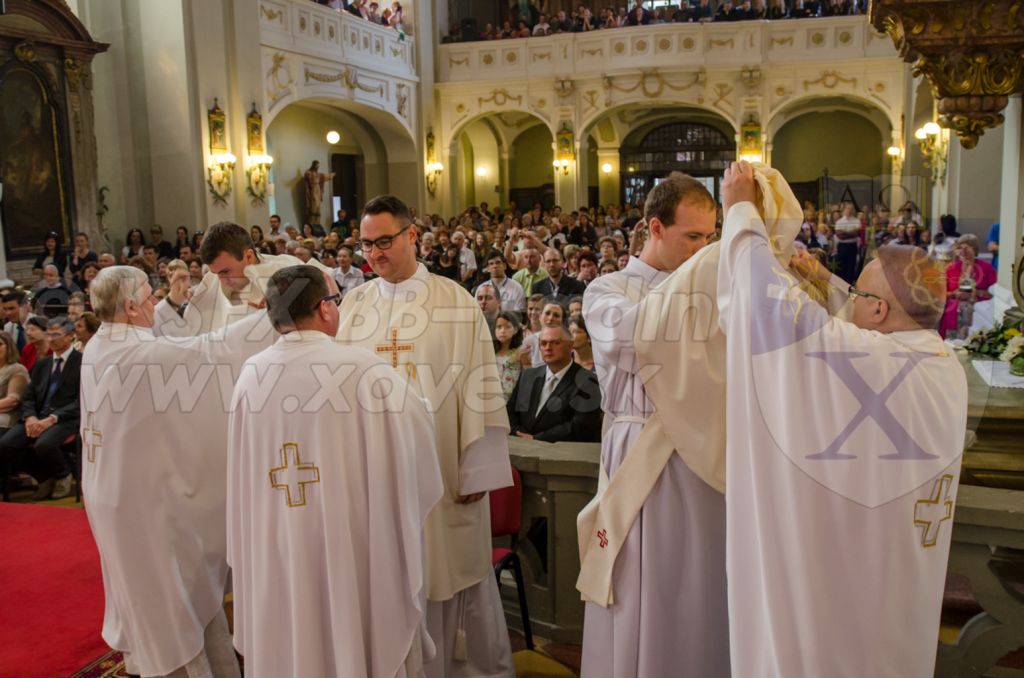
(431, 331)
(233, 286)
(330, 478)
(843, 447)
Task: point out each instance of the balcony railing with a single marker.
(666, 46)
(306, 28)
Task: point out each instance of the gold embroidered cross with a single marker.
(931, 513)
(394, 348)
(92, 440)
(293, 477)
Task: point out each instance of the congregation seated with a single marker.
(51, 414)
(559, 401)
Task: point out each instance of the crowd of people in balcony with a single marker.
(529, 18)
(374, 12)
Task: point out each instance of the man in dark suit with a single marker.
(559, 401)
(557, 285)
(51, 414)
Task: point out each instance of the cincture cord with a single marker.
(461, 650)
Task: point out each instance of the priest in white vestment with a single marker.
(432, 331)
(843, 455)
(330, 479)
(231, 289)
(154, 476)
(652, 548)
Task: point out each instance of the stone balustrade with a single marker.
(665, 46)
(304, 27)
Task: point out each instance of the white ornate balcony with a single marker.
(665, 46)
(304, 27)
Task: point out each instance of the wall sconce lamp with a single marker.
(333, 137)
(433, 168)
(565, 151)
(607, 168)
(562, 166)
(257, 165)
(894, 152)
(221, 164)
(934, 143)
(258, 172)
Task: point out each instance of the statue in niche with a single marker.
(314, 181)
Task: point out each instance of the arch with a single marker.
(651, 151)
(385, 156)
(853, 103)
(669, 106)
(461, 126)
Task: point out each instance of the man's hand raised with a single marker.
(738, 185)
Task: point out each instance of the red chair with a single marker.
(506, 520)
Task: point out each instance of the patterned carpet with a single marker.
(110, 665)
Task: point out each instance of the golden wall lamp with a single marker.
(934, 143)
(434, 168)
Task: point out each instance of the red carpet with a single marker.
(51, 592)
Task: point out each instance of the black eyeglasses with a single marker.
(384, 242)
(335, 298)
(854, 292)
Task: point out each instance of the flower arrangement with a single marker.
(1014, 354)
(1003, 342)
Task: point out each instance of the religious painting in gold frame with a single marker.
(564, 143)
(254, 131)
(218, 129)
(34, 160)
(750, 139)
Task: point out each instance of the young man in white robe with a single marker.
(231, 289)
(671, 529)
(154, 476)
(349, 450)
(843, 447)
(431, 330)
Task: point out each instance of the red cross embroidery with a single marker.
(602, 538)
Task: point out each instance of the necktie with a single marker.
(21, 337)
(52, 386)
(545, 393)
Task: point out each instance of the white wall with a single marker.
(297, 136)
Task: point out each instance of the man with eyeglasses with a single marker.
(839, 531)
(232, 289)
(352, 515)
(50, 408)
(154, 475)
(432, 332)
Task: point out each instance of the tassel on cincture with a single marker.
(461, 649)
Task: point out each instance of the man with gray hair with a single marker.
(154, 476)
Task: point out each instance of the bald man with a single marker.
(843, 449)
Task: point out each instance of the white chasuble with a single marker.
(211, 308)
(331, 475)
(154, 478)
(432, 332)
(843, 457)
